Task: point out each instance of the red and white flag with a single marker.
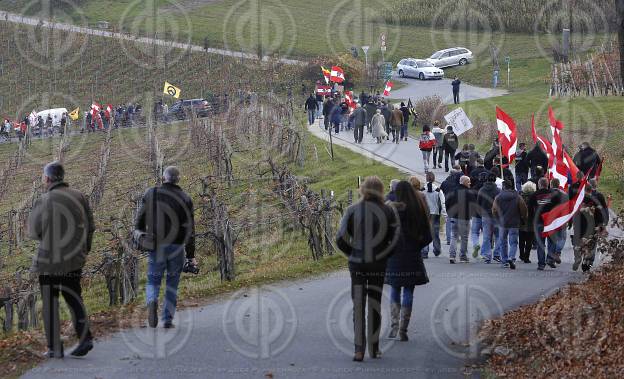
(349, 99)
(336, 75)
(507, 134)
(560, 215)
(108, 111)
(323, 90)
(388, 89)
(544, 143)
(95, 109)
(561, 165)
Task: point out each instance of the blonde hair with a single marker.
(415, 182)
(372, 189)
(528, 187)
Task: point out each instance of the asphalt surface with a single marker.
(303, 329)
(417, 89)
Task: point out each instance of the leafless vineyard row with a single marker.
(248, 192)
(597, 75)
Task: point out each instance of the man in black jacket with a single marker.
(450, 142)
(455, 84)
(406, 115)
(311, 106)
(485, 204)
(328, 108)
(536, 157)
(587, 159)
(167, 214)
(522, 167)
(449, 187)
(539, 203)
(590, 221)
(488, 160)
(461, 213)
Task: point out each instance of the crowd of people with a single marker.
(387, 237)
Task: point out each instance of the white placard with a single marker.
(459, 121)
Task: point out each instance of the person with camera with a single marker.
(62, 221)
(165, 227)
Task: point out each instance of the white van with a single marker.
(56, 113)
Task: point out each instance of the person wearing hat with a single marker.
(450, 141)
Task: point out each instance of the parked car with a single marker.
(184, 108)
(451, 57)
(418, 68)
(55, 113)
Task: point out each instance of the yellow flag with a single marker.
(75, 114)
(172, 90)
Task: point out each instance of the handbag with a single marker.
(144, 241)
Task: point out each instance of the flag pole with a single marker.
(500, 148)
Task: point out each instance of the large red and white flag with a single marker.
(323, 90)
(544, 143)
(388, 89)
(560, 215)
(507, 134)
(561, 166)
(95, 109)
(337, 75)
(109, 110)
(349, 99)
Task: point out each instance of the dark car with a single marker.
(184, 108)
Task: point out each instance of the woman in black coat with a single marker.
(367, 234)
(405, 268)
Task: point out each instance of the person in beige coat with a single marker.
(396, 121)
(378, 126)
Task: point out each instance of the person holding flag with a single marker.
(540, 205)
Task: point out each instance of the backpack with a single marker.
(426, 142)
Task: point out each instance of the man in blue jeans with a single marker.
(167, 214)
(485, 204)
(509, 210)
(539, 203)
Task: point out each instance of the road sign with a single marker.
(386, 70)
(383, 41)
(507, 59)
(365, 48)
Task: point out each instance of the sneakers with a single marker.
(540, 268)
(498, 259)
(152, 314)
(475, 251)
(487, 261)
(82, 349)
(50, 354)
(168, 325)
(452, 261)
(585, 267)
(464, 259)
(512, 265)
(557, 258)
(437, 253)
(576, 264)
(551, 264)
(506, 265)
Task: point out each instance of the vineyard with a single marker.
(259, 192)
(518, 16)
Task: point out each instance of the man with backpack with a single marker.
(435, 200)
(438, 152)
(450, 142)
(406, 115)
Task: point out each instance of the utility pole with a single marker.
(619, 4)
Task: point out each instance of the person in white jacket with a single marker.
(435, 201)
(438, 153)
(426, 144)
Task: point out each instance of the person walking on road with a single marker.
(167, 214)
(378, 126)
(360, 118)
(371, 110)
(438, 152)
(484, 206)
(406, 116)
(426, 144)
(526, 237)
(587, 160)
(559, 197)
(435, 202)
(450, 142)
(396, 122)
(405, 268)
(367, 235)
(522, 166)
(328, 108)
(510, 211)
(536, 157)
(449, 188)
(542, 202)
(311, 106)
(455, 84)
(461, 212)
(62, 221)
(588, 223)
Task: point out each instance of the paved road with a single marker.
(303, 329)
(417, 89)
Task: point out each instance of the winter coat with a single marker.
(359, 117)
(485, 199)
(587, 160)
(527, 224)
(367, 235)
(396, 120)
(63, 246)
(488, 160)
(450, 142)
(378, 126)
(439, 135)
(425, 140)
(371, 111)
(406, 114)
(435, 200)
(174, 222)
(311, 104)
(405, 267)
(537, 157)
(387, 114)
(592, 214)
(478, 177)
(522, 166)
(464, 205)
(509, 209)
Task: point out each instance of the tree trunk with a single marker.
(619, 4)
